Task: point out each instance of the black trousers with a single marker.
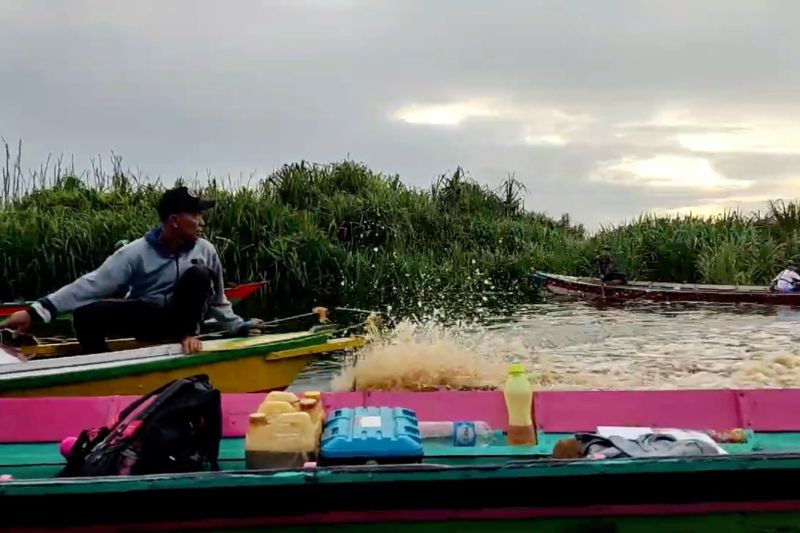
(95, 322)
(615, 276)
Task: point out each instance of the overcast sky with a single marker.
(604, 109)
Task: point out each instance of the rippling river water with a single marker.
(574, 344)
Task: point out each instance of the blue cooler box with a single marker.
(380, 435)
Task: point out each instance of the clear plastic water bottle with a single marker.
(470, 433)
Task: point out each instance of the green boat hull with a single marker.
(499, 488)
(446, 492)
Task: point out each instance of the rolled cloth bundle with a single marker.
(647, 445)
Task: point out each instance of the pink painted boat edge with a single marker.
(236, 409)
(762, 410)
(340, 400)
(29, 420)
(583, 411)
(52, 419)
(770, 409)
(441, 515)
(488, 406)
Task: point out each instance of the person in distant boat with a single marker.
(609, 272)
(787, 281)
(172, 278)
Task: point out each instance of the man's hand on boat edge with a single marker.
(18, 321)
(250, 328)
(191, 345)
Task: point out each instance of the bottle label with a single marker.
(464, 434)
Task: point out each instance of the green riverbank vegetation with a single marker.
(342, 234)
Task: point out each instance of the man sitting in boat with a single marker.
(173, 279)
(609, 272)
(788, 280)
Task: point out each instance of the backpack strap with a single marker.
(139, 401)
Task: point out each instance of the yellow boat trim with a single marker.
(250, 374)
(333, 345)
(276, 370)
(219, 345)
(73, 348)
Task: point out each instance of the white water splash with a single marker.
(586, 348)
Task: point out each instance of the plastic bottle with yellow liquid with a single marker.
(518, 394)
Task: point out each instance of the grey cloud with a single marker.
(181, 87)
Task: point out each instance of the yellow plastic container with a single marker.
(518, 394)
(285, 440)
(277, 402)
(271, 409)
(314, 408)
(282, 396)
(255, 440)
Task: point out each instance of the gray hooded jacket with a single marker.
(149, 272)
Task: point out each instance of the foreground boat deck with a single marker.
(499, 488)
(43, 460)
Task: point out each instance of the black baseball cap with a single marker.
(182, 200)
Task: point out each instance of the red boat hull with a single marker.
(240, 292)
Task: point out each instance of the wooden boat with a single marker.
(498, 488)
(235, 295)
(27, 346)
(264, 362)
(664, 292)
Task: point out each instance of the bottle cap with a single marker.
(517, 368)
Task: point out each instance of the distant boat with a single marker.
(664, 292)
(235, 295)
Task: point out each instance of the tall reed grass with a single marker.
(337, 233)
(732, 248)
(343, 234)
